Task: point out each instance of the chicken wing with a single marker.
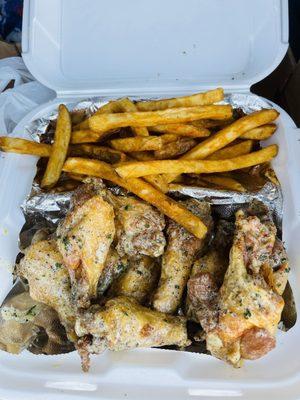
(138, 281)
(48, 280)
(139, 228)
(177, 260)
(207, 276)
(115, 265)
(124, 324)
(249, 309)
(84, 238)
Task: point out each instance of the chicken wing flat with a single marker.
(84, 238)
(138, 281)
(124, 324)
(249, 308)
(177, 260)
(48, 280)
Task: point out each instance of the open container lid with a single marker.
(85, 47)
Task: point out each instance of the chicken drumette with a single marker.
(178, 257)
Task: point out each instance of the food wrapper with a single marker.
(43, 210)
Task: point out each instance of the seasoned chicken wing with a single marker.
(139, 228)
(138, 281)
(84, 238)
(249, 309)
(124, 324)
(177, 260)
(48, 280)
(115, 265)
(207, 276)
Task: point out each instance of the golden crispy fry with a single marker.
(199, 99)
(260, 133)
(106, 122)
(142, 189)
(181, 130)
(143, 168)
(158, 181)
(23, 146)
(212, 123)
(110, 107)
(140, 143)
(77, 116)
(128, 106)
(228, 135)
(142, 155)
(173, 149)
(59, 149)
(224, 181)
(88, 136)
(98, 152)
(232, 151)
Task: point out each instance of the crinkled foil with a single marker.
(43, 211)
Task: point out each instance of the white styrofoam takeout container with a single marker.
(82, 48)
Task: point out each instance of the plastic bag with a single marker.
(26, 94)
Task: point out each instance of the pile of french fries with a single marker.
(146, 146)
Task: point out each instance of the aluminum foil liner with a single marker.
(43, 211)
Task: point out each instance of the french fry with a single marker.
(143, 168)
(212, 123)
(158, 181)
(102, 153)
(23, 146)
(140, 143)
(142, 155)
(88, 136)
(106, 122)
(232, 151)
(224, 182)
(261, 133)
(227, 135)
(142, 189)
(181, 130)
(174, 149)
(127, 105)
(199, 99)
(77, 116)
(59, 148)
(109, 108)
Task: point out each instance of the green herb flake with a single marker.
(247, 313)
(127, 207)
(66, 242)
(176, 286)
(58, 265)
(287, 269)
(32, 311)
(139, 272)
